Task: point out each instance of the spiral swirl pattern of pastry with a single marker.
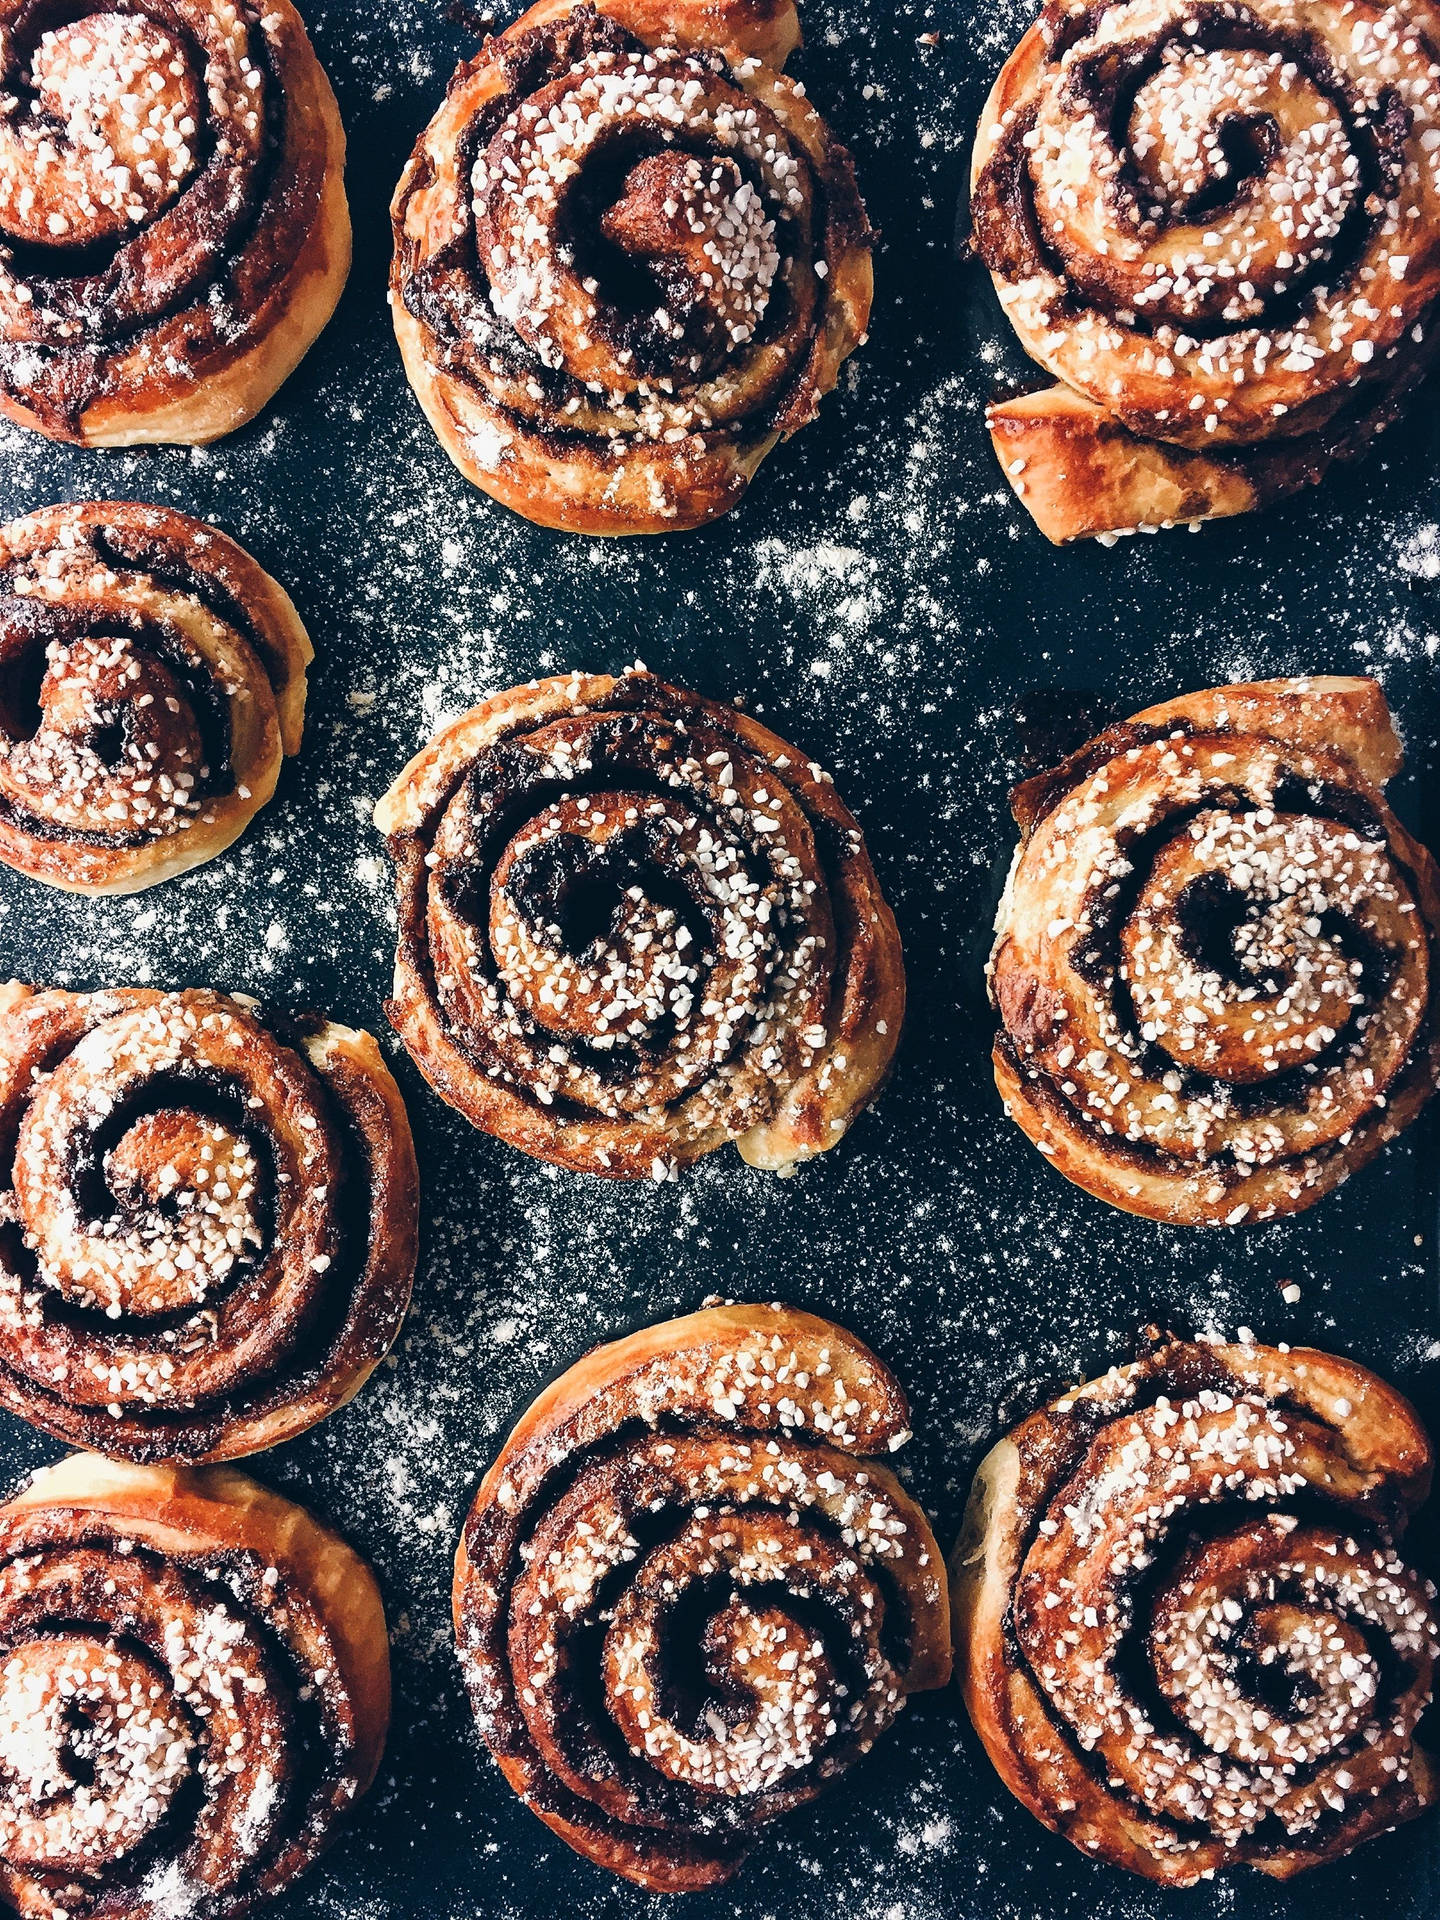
(1184, 1631)
(1218, 227)
(685, 1597)
(173, 228)
(635, 925)
(152, 680)
(629, 258)
(208, 1223)
(194, 1689)
(1217, 954)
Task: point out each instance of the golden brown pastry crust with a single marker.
(275, 1737)
(171, 675)
(1216, 957)
(697, 1436)
(199, 289)
(1138, 1555)
(747, 861)
(582, 409)
(211, 1275)
(1215, 350)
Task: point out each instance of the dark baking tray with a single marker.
(888, 606)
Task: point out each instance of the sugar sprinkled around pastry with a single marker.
(445, 598)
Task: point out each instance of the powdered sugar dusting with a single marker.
(932, 1230)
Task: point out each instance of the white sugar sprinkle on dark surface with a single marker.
(883, 598)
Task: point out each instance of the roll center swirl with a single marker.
(118, 746)
(1215, 956)
(1217, 227)
(1182, 1596)
(99, 135)
(186, 1213)
(1238, 175)
(621, 910)
(192, 1243)
(681, 1610)
(1260, 1636)
(158, 1218)
(702, 229)
(1250, 950)
(94, 1747)
(591, 921)
(691, 254)
(765, 1694)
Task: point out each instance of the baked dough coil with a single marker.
(152, 682)
(208, 1221)
(1218, 228)
(635, 924)
(173, 225)
(195, 1690)
(1185, 1627)
(687, 1597)
(629, 258)
(1216, 954)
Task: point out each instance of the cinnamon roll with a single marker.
(629, 258)
(1185, 1629)
(1218, 227)
(207, 1222)
(634, 925)
(687, 1598)
(173, 226)
(1216, 956)
(194, 1691)
(152, 681)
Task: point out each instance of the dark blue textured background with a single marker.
(888, 606)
